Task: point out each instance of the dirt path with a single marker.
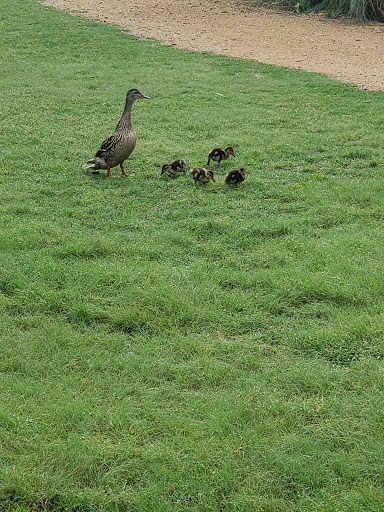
(352, 53)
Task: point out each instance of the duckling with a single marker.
(235, 176)
(218, 154)
(201, 174)
(178, 165)
(120, 143)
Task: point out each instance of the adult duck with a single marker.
(119, 145)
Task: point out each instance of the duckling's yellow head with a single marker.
(229, 151)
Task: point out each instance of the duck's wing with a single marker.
(109, 145)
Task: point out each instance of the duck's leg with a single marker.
(109, 172)
(122, 170)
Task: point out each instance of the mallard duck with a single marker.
(235, 176)
(178, 165)
(201, 174)
(218, 154)
(120, 144)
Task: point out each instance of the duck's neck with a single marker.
(125, 120)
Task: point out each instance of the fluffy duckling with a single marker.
(178, 165)
(201, 174)
(218, 154)
(235, 176)
(120, 144)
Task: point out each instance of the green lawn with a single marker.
(169, 347)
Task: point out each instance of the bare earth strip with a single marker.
(350, 52)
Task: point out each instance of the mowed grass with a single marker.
(166, 347)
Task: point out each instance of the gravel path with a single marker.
(350, 52)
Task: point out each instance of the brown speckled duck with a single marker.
(177, 166)
(235, 176)
(218, 154)
(119, 145)
(199, 174)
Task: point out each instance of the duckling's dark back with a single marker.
(235, 176)
(201, 174)
(218, 154)
(178, 165)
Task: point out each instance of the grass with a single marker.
(166, 347)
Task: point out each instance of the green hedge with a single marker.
(357, 9)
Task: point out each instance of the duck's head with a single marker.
(209, 174)
(229, 151)
(134, 94)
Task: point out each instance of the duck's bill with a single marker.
(144, 97)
